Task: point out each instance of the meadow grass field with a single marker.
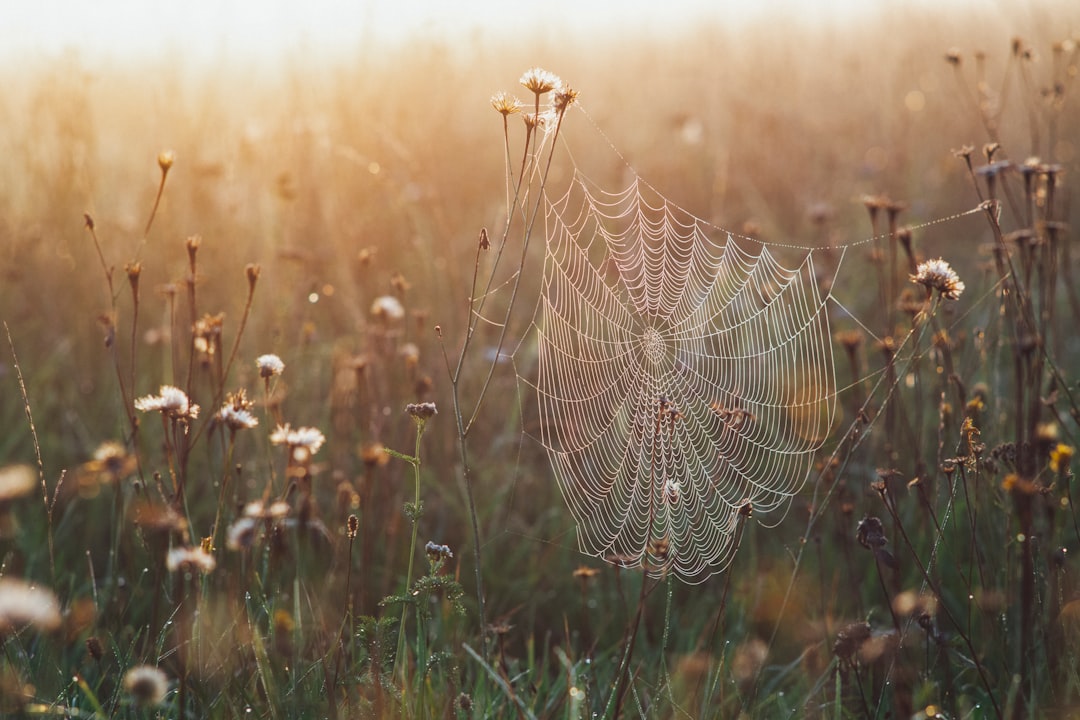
(255, 421)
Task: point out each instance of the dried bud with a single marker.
(133, 270)
(165, 160)
(252, 270)
(192, 244)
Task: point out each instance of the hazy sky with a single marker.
(209, 28)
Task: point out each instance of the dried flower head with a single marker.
(111, 463)
(374, 454)
(16, 481)
(422, 411)
(438, 553)
(505, 103)
(269, 365)
(387, 308)
(585, 573)
(352, 526)
(146, 684)
(849, 640)
(564, 98)
(410, 354)
(160, 518)
(749, 658)
(871, 533)
(241, 533)
(236, 414)
(938, 275)
(22, 604)
(273, 511)
(399, 284)
(539, 81)
(171, 402)
(189, 559)
(308, 438)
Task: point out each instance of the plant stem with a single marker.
(415, 462)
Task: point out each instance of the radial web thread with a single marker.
(685, 376)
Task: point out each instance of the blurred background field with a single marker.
(352, 172)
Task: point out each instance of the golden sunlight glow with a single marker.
(210, 30)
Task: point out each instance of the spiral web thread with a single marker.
(684, 380)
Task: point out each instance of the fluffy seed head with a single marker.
(235, 414)
(269, 365)
(146, 684)
(540, 81)
(387, 308)
(16, 481)
(22, 604)
(564, 98)
(938, 275)
(505, 103)
(241, 534)
(311, 439)
(171, 401)
(188, 559)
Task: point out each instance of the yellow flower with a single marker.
(1061, 456)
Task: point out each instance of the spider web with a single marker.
(685, 377)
